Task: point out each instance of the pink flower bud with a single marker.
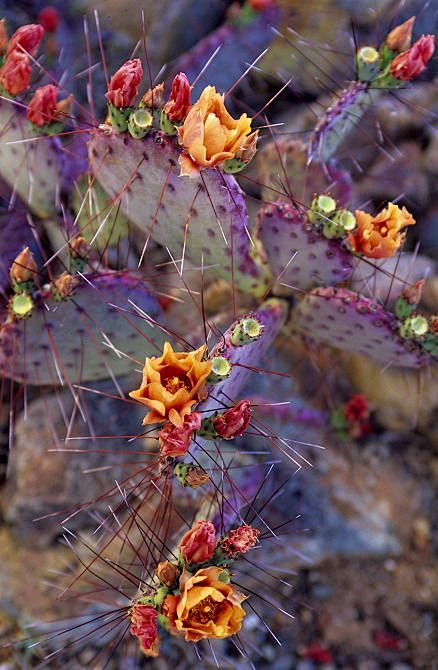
(144, 627)
(175, 440)
(411, 63)
(240, 540)
(123, 87)
(49, 19)
(3, 36)
(199, 543)
(42, 107)
(15, 73)
(178, 104)
(233, 422)
(27, 38)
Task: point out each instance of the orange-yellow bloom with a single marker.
(400, 37)
(210, 135)
(172, 384)
(206, 607)
(380, 236)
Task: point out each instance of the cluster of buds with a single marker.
(378, 236)
(22, 274)
(352, 420)
(46, 114)
(208, 134)
(174, 383)
(396, 61)
(412, 324)
(15, 57)
(195, 598)
(332, 222)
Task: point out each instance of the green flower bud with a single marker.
(233, 165)
(21, 305)
(166, 125)
(414, 326)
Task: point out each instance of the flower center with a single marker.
(173, 384)
(204, 611)
(173, 380)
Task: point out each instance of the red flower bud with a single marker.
(233, 422)
(434, 323)
(175, 440)
(144, 627)
(178, 104)
(199, 543)
(42, 107)
(123, 87)
(15, 73)
(49, 19)
(240, 540)
(411, 63)
(357, 409)
(261, 5)
(27, 38)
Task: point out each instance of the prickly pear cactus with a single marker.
(95, 333)
(283, 167)
(345, 320)
(240, 41)
(338, 121)
(300, 257)
(35, 168)
(201, 219)
(245, 357)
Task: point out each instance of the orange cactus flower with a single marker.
(172, 384)
(380, 236)
(210, 135)
(206, 607)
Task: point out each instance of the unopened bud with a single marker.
(196, 477)
(64, 286)
(412, 294)
(399, 39)
(167, 573)
(153, 98)
(79, 246)
(23, 268)
(118, 118)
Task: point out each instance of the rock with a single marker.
(41, 482)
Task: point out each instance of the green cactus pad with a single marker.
(300, 257)
(339, 120)
(33, 169)
(343, 319)
(203, 218)
(71, 341)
